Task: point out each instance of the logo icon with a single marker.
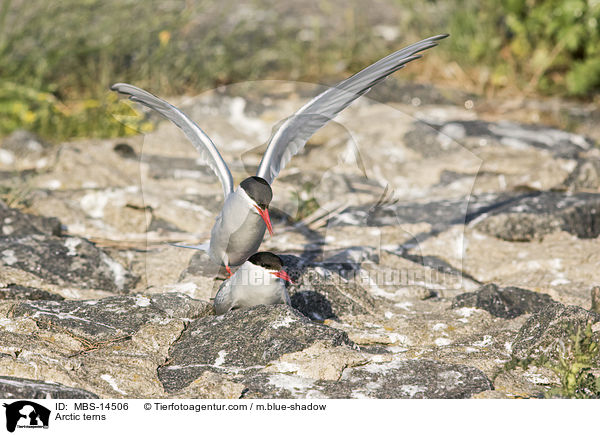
(26, 414)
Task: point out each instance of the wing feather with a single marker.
(293, 134)
(207, 149)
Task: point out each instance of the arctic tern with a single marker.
(258, 281)
(239, 228)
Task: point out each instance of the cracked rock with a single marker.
(18, 388)
(69, 262)
(417, 379)
(112, 316)
(242, 340)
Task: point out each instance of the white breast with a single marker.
(238, 230)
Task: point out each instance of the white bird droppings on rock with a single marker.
(142, 301)
(399, 338)
(71, 244)
(441, 341)
(439, 327)
(8, 257)
(465, 311)
(486, 341)
(294, 384)
(111, 381)
(187, 288)
(283, 323)
(411, 390)
(93, 204)
(53, 184)
(6, 157)
(117, 270)
(220, 358)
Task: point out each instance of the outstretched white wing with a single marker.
(207, 149)
(291, 137)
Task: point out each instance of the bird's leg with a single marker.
(228, 271)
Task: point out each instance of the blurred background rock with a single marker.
(57, 59)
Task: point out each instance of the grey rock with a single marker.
(417, 379)
(111, 317)
(505, 302)
(439, 213)
(242, 340)
(548, 332)
(19, 292)
(533, 216)
(431, 139)
(324, 294)
(329, 289)
(69, 261)
(19, 388)
(15, 223)
(158, 224)
(125, 150)
(586, 175)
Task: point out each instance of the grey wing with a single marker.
(291, 137)
(207, 149)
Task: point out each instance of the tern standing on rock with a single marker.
(240, 227)
(259, 281)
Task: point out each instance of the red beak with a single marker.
(265, 215)
(283, 275)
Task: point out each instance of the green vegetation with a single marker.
(557, 42)
(574, 367)
(33, 110)
(548, 46)
(307, 204)
(57, 59)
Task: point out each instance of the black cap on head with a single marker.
(259, 190)
(268, 260)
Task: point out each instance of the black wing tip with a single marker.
(410, 59)
(436, 37)
(134, 93)
(118, 87)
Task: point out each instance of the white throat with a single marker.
(242, 193)
(251, 274)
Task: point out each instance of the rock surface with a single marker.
(506, 302)
(16, 388)
(548, 332)
(242, 340)
(538, 215)
(407, 379)
(433, 240)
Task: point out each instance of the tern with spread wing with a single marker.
(240, 227)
